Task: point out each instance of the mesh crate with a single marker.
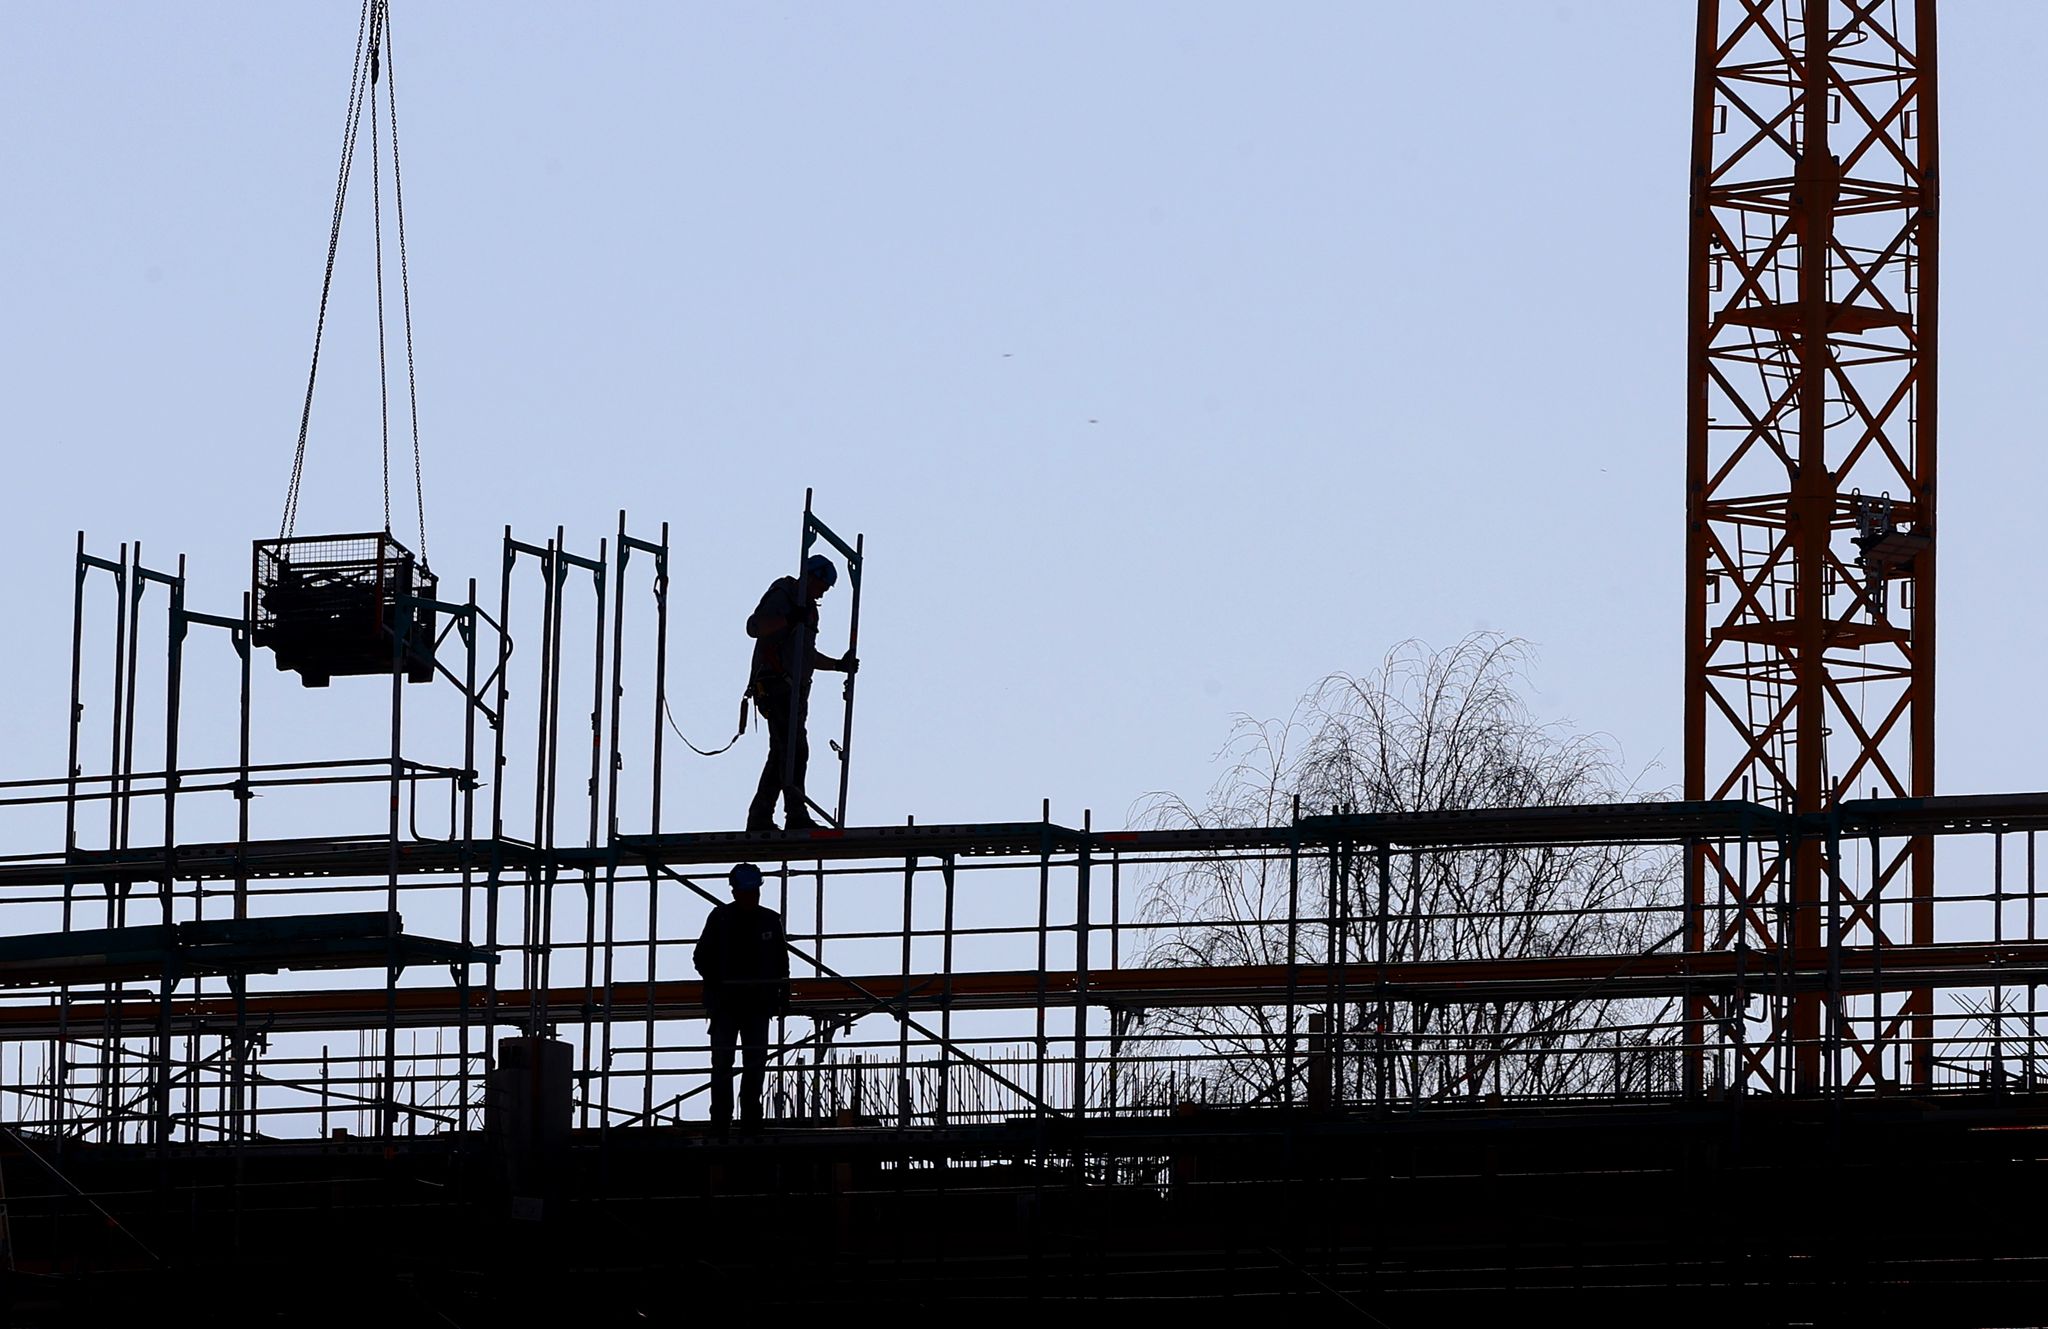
(328, 605)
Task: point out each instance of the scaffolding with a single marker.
(272, 965)
(169, 990)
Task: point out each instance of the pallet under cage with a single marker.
(328, 605)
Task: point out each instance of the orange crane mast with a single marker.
(1810, 492)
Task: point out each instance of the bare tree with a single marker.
(1427, 731)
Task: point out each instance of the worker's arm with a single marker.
(835, 664)
(707, 957)
(782, 967)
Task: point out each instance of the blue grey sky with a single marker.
(1169, 356)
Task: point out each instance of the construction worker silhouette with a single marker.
(784, 627)
(744, 960)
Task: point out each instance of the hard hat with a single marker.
(744, 877)
(820, 567)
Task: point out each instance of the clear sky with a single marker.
(1169, 356)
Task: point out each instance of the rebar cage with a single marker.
(331, 604)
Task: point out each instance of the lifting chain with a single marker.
(374, 64)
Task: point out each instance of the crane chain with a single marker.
(348, 150)
(374, 63)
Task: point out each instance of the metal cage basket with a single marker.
(331, 604)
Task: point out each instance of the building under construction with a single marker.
(405, 1031)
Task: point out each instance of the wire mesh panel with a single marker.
(333, 604)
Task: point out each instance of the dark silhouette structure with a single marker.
(971, 1101)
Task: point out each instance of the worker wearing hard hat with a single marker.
(784, 627)
(744, 960)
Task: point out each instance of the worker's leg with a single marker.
(724, 1031)
(753, 1065)
(794, 810)
(775, 713)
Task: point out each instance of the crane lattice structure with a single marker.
(1810, 481)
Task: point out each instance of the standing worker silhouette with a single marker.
(744, 961)
(784, 627)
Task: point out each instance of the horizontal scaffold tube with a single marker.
(1565, 978)
(1602, 823)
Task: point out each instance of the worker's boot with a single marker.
(799, 820)
(761, 823)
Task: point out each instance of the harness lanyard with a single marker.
(737, 734)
